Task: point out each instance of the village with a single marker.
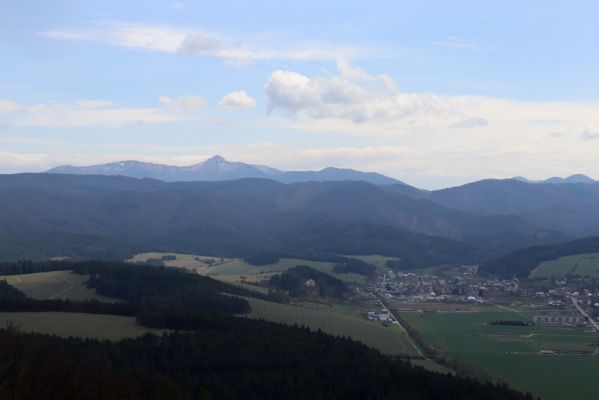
(567, 301)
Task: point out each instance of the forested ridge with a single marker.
(520, 263)
(235, 359)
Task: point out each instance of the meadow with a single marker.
(510, 353)
(104, 327)
(55, 285)
(580, 264)
(336, 320)
(238, 268)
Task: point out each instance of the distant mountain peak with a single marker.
(217, 168)
(576, 178)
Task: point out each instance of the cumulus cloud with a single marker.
(238, 99)
(359, 97)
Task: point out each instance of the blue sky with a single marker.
(434, 93)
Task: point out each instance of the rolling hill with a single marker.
(571, 208)
(243, 217)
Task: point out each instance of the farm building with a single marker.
(560, 319)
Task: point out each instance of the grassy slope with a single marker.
(580, 264)
(109, 327)
(550, 377)
(241, 268)
(55, 285)
(66, 285)
(336, 322)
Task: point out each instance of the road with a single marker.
(583, 312)
(401, 326)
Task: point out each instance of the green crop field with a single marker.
(340, 322)
(580, 264)
(108, 327)
(510, 353)
(54, 285)
(241, 268)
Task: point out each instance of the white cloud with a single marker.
(238, 99)
(90, 104)
(88, 113)
(359, 97)
(190, 41)
(199, 45)
(184, 103)
(7, 106)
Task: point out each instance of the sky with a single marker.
(433, 93)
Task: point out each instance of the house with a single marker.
(310, 283)
(560, 319)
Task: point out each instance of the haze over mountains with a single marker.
(218, 169)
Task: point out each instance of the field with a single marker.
(510, 353)
(336, 320)
(190, 261)
(238, 271)
(67, 285)
(239, 268)
(106, 327)
(55, 285)
(580, 264)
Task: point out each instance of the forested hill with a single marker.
(520, 263)
(236, 358)
(215, 355)
(112, 216)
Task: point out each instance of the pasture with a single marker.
(55, 285)
(580, 264)
(510, 353)
(240, 268)
(336, 321)
(193, 262)
(105, 327)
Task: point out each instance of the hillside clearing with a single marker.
(55, 285)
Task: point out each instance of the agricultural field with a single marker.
(55, 285)
(580, 264)
(510, 353)
(193, 262)
(239, 268)
(105, 327)
(336, 320)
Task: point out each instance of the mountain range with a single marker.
(218, 169)
(86, 214)
(577, 178)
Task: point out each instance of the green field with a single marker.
(108, 327)
(510, 353)
(195, 262)
(54, 285)
(336, 320)
(240, 268)
(580, 264)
